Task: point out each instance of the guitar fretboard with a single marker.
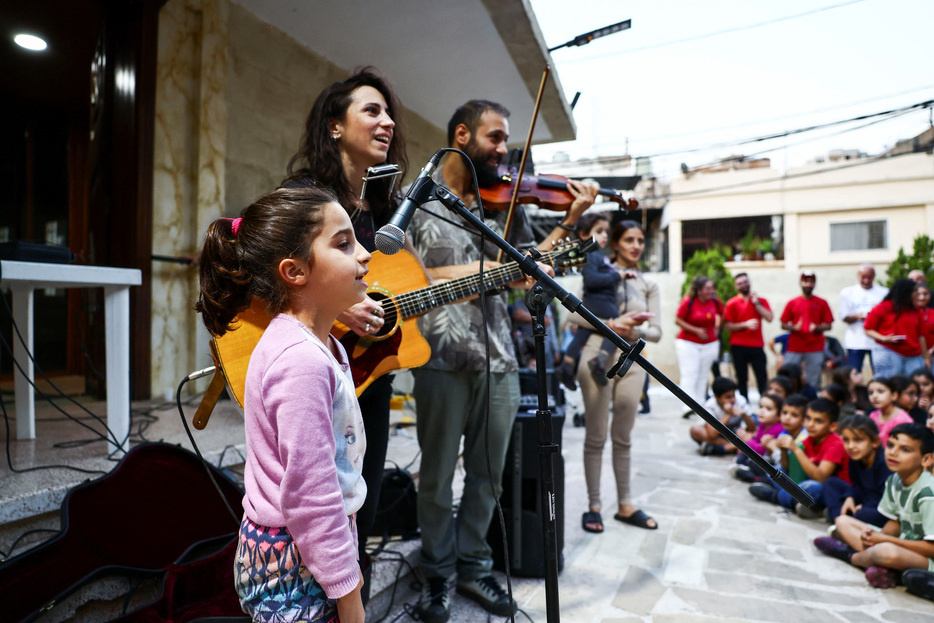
(423, 300)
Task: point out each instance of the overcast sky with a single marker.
(657, 91)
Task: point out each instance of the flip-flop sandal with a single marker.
(591, 518)
(638, 519)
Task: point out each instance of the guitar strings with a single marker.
(411, 303)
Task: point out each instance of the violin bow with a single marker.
(525, 155)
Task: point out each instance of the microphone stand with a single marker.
(539, 296)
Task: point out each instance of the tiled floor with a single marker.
(719, 554)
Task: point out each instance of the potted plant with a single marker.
(765, 248)
(749, 244)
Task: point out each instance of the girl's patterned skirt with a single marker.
(273, 584)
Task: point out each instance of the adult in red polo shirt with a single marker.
(896, 327)
(743, 318)
(807, 318)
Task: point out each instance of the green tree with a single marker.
(710, 263)
(922, 258)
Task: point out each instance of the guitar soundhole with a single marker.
(390, 315)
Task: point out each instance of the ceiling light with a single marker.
(30, 42)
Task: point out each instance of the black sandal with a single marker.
(591, 518)
(638, 519)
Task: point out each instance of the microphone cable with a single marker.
(207, 466)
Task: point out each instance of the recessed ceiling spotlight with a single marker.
(30, 42)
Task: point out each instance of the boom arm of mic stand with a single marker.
(631, 353)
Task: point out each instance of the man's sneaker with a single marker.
(882, 577)
(487, 592)
(764, 492)
(919, 582)
(597, 372)
(435, 603)
(835, 548)
(805, 512)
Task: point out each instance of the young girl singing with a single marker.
(883, 394)
(295, 250)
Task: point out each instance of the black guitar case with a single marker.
(138, 520)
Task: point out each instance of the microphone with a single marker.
(391, 237)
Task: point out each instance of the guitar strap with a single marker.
(209, 400)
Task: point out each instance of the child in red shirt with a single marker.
(820, 456)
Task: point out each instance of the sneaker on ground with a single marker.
(833, 547)
(764, 492)
(881, 577)
(435, 603)
(741, 472)
(805, 512)
(919, 582)
(487, 592)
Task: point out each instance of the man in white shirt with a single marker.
(855, 303)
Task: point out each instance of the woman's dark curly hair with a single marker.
(318, 157)
(236, 268)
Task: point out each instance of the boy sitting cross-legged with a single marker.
(907, 539)
(728, 407)
(820, 456)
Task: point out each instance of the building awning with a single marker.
(437, 55)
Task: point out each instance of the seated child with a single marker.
(781, 386)
(857, 400)
(907, 539)
(731, 409)
(868, 472)
(770, 425)
(908, 395)
(883, 395)
(925, 380)
(834, 393)
(792, 420)
(601, 283)
(794, 373)
(821, 456)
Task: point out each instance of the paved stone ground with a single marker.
(719, 554)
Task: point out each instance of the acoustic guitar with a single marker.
(401, 287)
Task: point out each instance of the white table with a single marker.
(23, 278)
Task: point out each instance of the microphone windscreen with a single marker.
(390, 239)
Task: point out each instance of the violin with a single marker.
(547, 191)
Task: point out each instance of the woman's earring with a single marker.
(335, 136)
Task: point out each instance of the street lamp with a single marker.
(587, 37)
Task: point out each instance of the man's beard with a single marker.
(487, 174)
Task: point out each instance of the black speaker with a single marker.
(521, 500)
(528, 389)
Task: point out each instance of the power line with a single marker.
(790, 176)
(783, 117)
(885, 114)
(713, 34)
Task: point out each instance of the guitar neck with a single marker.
(423, 300)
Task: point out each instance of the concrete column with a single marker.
(674, 247)
(792, 238)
